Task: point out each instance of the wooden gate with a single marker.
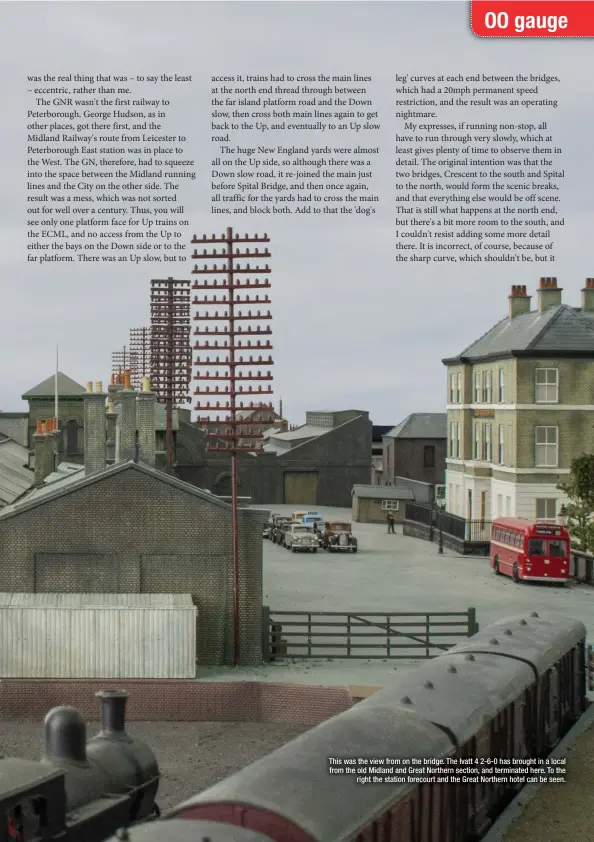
(368, 635)
(301, 488)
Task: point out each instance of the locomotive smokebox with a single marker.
(65, 733)
(113, 714)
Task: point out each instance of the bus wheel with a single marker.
(516, 573)
(496, 565)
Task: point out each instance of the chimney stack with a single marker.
(94, 428)
(146, 404)
(39, 444)
(126, 441)
(111, 418)
(519, 302)
(588, 296)
(549, 295)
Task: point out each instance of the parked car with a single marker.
(297, 517)
(278, 528)
(338, 537)
(300, 538)
(268, 526)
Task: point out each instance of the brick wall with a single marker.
(156, 539)
(179, 701)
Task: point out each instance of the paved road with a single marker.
(392, 573)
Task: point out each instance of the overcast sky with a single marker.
(352, 328)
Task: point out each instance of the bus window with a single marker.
(536, 547)
(557, 549)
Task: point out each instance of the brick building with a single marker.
(520, 407)
(129, 528)
(416, 449)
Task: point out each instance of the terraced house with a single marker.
(521, 407)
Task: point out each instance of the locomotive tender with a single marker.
(80, 791)
(510, 691)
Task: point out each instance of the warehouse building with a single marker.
(130, 528)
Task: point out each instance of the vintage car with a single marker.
(315, 520)
(301, 538)
(338, 537)
(277, 530)
(297, 517)
(267, 530)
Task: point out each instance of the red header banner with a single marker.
(532, 18)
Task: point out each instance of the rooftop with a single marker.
(382, 492)
(67, 388)
(421, 425)
(558, 330)
(15, 477)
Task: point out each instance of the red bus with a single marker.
(530, 550)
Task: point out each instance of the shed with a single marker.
(371, 503)
(74, 636)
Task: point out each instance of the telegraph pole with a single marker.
(228, 372)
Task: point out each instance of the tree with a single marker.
(579, 487)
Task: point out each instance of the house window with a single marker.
(501, 385)
(486, 387)
(483, 506)
(477, 387)
(451, 503)
(429, 456)
(487, 443)
(547, 385)
(477, 441)
(546, 450)
(501, 449)
(459, 388)
(71, 437)
(452, 441)
(546, 509)
(458, 440)
(452, 388)
(500, 505)
(390, 505)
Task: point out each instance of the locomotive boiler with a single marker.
(79, 791)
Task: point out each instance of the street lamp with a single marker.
(562, 516)
(440, 503)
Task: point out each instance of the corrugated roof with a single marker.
(100, 600)
(15, 477)
(46, 389)
(421, 425)
(382, 492)
(557, 330)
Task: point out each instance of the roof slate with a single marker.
(15, 477)
(67, 388)
(73, 482)
(421, 425)
(557, 330)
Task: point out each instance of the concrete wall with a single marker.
(132, 533)
(423, 492)
(15, 426)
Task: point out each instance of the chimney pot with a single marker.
(99, 386)
(588, 296)
(89, 386)
(519, 302)
(127, 380)
(39, 429)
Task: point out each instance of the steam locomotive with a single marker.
(80, 791)
(510, 691)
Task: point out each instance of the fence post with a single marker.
(265, 633)
(472, 623)
(427, 634)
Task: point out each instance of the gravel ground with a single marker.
(192, 755)
(561, 812)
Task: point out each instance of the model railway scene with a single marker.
(511, 692)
